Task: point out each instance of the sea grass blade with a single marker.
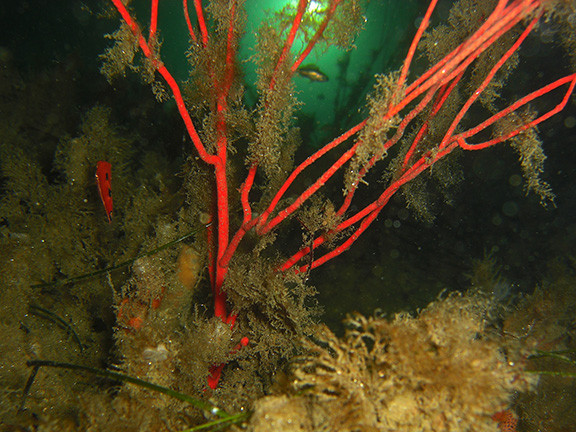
(27, 387)
(558, 355)
(555, 354)
(233, 419)
(553, 373)
(204, 406)
(46, 313)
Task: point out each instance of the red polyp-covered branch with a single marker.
(502, 19)
(264, 227)
(329, 13)
(569, 79)
(191, 31)
(487, 80)
(437, 84)
(218, 160)
(403, 123)
(174, 87)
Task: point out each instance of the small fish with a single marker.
(104, 181)
(312, 72)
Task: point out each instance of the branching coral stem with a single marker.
(328, 17)
(191, 31)
(445, 76)
(422, 100)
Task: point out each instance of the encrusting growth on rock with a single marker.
(444, 370)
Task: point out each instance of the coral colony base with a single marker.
(191, 277)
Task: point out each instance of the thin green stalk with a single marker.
(558, 355)
(555, 354)
(554, 373)
(233, 419)
(204, 406)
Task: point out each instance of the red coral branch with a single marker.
(191, 31)
(319, 33)
(422, 99)
(201, 22)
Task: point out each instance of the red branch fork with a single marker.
(425, 95)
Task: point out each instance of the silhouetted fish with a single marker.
(312, 72)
